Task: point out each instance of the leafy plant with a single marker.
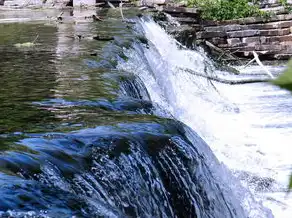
(226, 9)
(286, 5)
(285, 79)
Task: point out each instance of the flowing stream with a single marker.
(117, 129)
(247, 126)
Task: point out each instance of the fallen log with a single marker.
(225, 81)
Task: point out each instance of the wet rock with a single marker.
(103, 38)
(158, 17)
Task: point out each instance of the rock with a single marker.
(83, 2)
(259, 26)
(59, 3)
(187, 20)
(274, 48)
(275, 32)
(279, 39)
(181, 11)
(103, 38)
(252, 40)
(234, 42)
(289, 43)
(154, 2)
(226, 28)
(11, 3)
(267, 36)
(207, 35)
(185, 34)
(218, 40)
(283, 56)
(244, 33)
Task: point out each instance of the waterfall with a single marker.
(206, 107)
(129, 133)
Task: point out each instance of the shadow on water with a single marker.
(80, 138)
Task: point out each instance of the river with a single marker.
(92, 128)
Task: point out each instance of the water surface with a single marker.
(93, 128)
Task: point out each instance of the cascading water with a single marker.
(90, 144)
(246, 126)
(117, 145)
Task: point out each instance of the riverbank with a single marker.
(227, 41)
(270, 37)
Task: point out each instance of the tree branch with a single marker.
(225, 81)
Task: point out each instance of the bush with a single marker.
(226, 9)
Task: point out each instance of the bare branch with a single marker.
(225, 81)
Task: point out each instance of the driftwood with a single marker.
(96, 18)
(121, 10)
(232, 57)
(223, 53)
(225, 81)
(110, 4)
(256, 58)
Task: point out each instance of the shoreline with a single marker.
(187, 34)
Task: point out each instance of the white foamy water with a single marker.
(248, 127)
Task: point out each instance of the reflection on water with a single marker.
(55, 68)
(27, 74)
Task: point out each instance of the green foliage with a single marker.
(285, 79)
(226, 9)
(285, 4)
